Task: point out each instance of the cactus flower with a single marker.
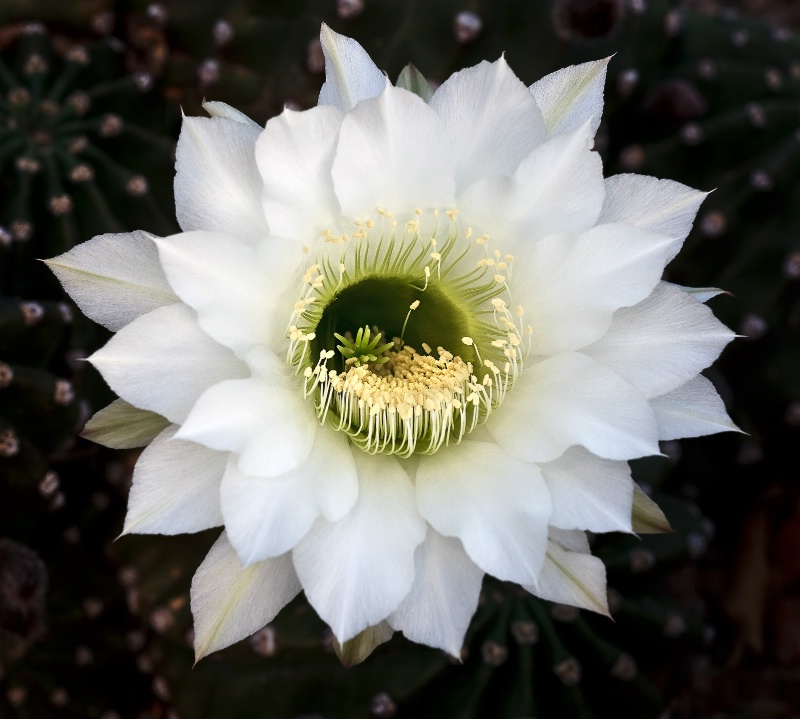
(405, 339)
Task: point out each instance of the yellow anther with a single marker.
(499, 279)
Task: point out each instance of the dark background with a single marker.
(707, 619)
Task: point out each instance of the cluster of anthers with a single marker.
(390, 397)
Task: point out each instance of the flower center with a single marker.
(403, 332)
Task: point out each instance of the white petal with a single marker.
(215, 108)
(356, 571)
(473, 105)
(589, 492)
(267, 516)
(662, 206)
(573, 578)
(230, 602)
(692, 410)
(569, 399)
(264, 419)
(496, 505)
(114, 278)
(447, 583)
(572, 96)
(701, 294)
(217, 185)
(570, 286)
(557, 188)
(235, 292)
(350, 74)
(123, 426)
(175, 487)
(392, 153)
(662, 342)
(295, 155)
(163, 362)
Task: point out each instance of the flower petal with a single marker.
(473, 104)
(230, 602)
(572, 96)
(444, 596)
(356, 650)
(662, 342)
(589, 492)
(264, 419)
(217, 185)
(496, 505)
(356, 571)
(393, 154)
(215, 108)
(123, 426)
(163, 362)
(701, 294)
(267, 516)
(350, 74)
(557, 188)
(114, 278)
(413, 80)
(569, 399)
(295, 155)
(646, 515)
(231, 286)
(175, 487)
(572, 577)
(570, 286)
(662, 206)
(692, 410)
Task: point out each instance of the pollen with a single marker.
(411, 403)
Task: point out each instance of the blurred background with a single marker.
(706, 619)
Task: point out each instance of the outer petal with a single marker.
(356, 571)
(557, 188)
(447, 583)
(473, 104)
(123, 426)
(295, 156)
(662, 342)
(570, 399)
(217, 185)
(215, 108)
(570, 287)
(350, 74)
(235, 292)
(263, 418)
(230, 602)
(267, 516)
(114, 278)
(175, 487)
(662, 206)
(392, 153)
(692, 410)
(496, 505)
(163, 362)
(571, 575)
(589, 492)
(570, 97)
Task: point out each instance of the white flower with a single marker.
(528, 349)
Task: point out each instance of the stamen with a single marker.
(411, 308)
